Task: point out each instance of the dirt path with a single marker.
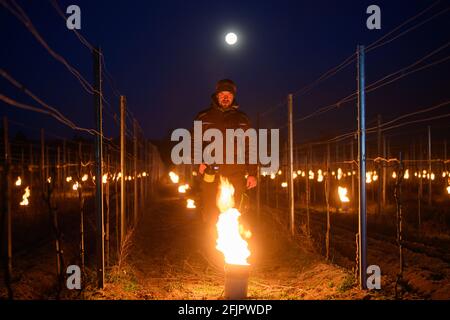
(168, 261)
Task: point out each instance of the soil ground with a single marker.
(170, 260)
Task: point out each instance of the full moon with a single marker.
(231, 38)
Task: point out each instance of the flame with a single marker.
(433, 176)
(190, 204)
(230, 241)
(18, 182)
(272, 176)
(49, 179)
(311, 175)
(225, 200)
(394, 175)
(448, 189)
(182, 189)
(343, 194)
(174, 177)
(319, 176)
(144, 174)
(369, 177)
(84, 177)
(339, 174)
(284, 184)
(374, 176)
(294, 175)
(280, 172)
(75, 186)
(68, 179)
(406, 174)
(25, 197)
(105, 178)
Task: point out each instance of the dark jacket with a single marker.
(231, 118)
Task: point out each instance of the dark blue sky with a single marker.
(166, 56)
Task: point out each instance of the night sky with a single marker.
(166, 57)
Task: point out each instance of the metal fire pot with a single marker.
(236, 281)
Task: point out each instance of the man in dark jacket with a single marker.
(224, 114)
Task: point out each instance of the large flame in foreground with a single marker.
(229, 240)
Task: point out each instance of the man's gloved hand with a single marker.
(251, 182)
(202, 168)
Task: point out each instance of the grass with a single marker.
(347, 284)
(131, 286)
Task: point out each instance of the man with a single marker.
(224, 114)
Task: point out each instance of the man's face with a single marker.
(225, 99)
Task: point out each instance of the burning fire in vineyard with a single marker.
(231, 243)
(343, 194)
(174, 177)
(190, 204)
(25, 197)
(182, 188)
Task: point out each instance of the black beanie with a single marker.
(226, 85)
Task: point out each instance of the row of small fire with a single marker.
(76, 184)
(319, 175)
(371, 176)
